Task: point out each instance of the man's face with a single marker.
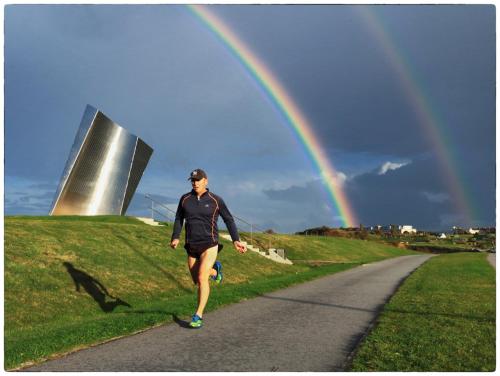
(199, 186)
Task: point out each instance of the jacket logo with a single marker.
(206, 205)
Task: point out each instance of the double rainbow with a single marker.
(428, 117)
(296, 121)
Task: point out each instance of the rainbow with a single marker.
(295, 120)
(427, 116)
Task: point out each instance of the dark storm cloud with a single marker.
(436, 197)
(345, 83)
(297, 194)
(398, 197)
(412, 194)
(160, 74)
(308, 201)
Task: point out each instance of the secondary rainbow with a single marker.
(427, 116)
(296, 121)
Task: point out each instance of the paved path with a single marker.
(492, 259)
(310, 327)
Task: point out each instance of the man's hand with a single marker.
(240, 247)
(174, 243)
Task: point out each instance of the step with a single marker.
(272, 254)
(148, 221)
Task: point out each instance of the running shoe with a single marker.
(218, 267)
(196, 322)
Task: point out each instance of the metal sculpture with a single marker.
(103, 170)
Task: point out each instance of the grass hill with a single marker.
(75, 281)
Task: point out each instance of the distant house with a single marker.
(442, 236)
(473, 231)
(407, 229)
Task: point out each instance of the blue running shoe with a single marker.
(218, 267)
(196, 322)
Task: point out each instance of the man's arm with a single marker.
(228, 220)
(231, 226)
(179, 221)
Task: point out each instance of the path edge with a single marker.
(374, 323)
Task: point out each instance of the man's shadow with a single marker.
(94, 288)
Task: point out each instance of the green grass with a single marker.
(441, 319)
(45, 314)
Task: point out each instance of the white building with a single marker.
(472, 231)
(407, 229)
(442, 236)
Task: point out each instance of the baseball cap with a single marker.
(197, 174)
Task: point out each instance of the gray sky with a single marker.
(160, 73)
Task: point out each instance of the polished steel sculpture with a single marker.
(103, 170)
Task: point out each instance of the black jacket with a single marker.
(201, 218)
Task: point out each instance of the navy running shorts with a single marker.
(195, 250)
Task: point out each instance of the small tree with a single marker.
(394, 231)
(363, 233)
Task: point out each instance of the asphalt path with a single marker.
(314, 326)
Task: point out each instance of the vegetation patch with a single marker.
(441, 319)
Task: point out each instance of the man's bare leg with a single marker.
(194, 266)
(206, 263)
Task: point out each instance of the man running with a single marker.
(201, 208)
